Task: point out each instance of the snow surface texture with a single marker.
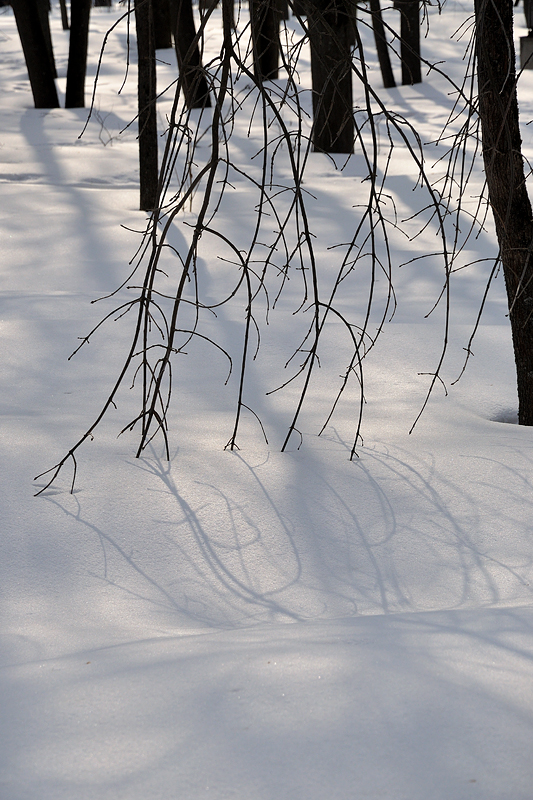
(254, 625)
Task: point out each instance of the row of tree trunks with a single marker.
(33, 26)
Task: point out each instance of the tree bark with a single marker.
(206, 5)
(504, 169)
(410, 40)
(382, 47)
(43, 8)
(331, 76)
(148, 161)
(80, 11)
(195, 88)
(64, 15)
(283, 9)
(162, 24)
(264, 19)
(35, 53)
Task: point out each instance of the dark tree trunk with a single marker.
(382, 46)
(148, 162)
(80, 11)
(102, 3)
(265, 19)
(331, 75)
(195, 88)
(299, 8)
(43, 7)
(162, 24)
(283, 9)
(504, 169)
(36, 54)
(64, 14)
(410, 40)
(207, 5)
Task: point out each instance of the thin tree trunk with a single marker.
(382, 46)
(148, 162)
(265, 19)
(410, 40)
(35, 53)
(80, 11)
(195, 88)
(504, 169)
(331, 75)
(64, 14)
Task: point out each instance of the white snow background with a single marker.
(253, 624)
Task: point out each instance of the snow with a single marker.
(252, 624)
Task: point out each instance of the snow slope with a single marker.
(252, 624)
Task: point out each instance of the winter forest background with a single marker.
(303, 570)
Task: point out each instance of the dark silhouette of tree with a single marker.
(382, 47)
(43, 8)
(410, 40)
(193, 80)
(504, 169)
(148, 155)
(162, 24)
(264, 21)
(64, 15)
(329, 26)
(36, 53)
(77, 55)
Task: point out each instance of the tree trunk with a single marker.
(43, 8)
(80, 11)
(504, 169)
(195, 88)
(382, 47)
(206, 5)
(331, 75)
(36, 53)
(64, 14)
(265, 19)
(162, 24)
(283, 9)
(299, 8)
(410, 40)
(148, 162)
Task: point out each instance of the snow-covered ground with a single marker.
(252, 624)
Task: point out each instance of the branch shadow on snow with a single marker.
(223, 540)
(411, 705)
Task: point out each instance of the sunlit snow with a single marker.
(253, 625)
